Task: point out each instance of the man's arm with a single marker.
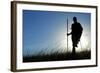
(81, 27)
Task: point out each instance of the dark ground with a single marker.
(58, 57)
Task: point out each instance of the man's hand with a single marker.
(68, 34)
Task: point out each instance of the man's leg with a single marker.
(73, 51)
(74, 45)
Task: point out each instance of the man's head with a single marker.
(74, 19)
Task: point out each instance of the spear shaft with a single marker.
(67, 35)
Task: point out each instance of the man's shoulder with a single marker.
(79, 24)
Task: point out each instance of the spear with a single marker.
(67, 35)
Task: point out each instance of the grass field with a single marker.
(56, 56)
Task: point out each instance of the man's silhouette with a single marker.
(76, 32)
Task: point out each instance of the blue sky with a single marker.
(46, 30)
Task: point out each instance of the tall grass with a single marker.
(58, 56)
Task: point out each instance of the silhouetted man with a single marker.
(76, 32)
